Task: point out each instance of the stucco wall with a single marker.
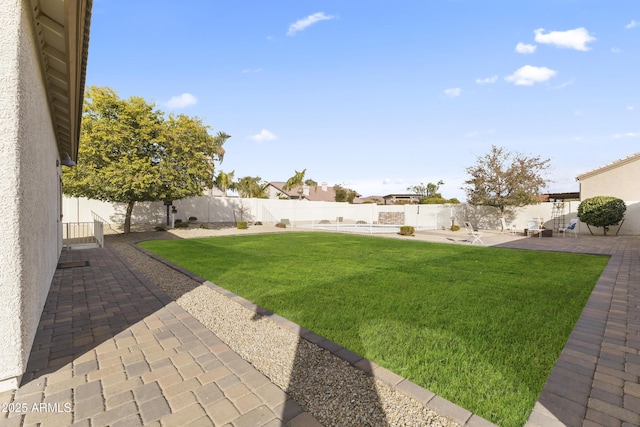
(622, 182)
(29, 230)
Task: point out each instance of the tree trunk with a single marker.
(127, 218)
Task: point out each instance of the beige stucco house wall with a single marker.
(39, 119)
(618, 179)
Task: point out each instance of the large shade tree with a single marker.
(505, 179)
(129, 152)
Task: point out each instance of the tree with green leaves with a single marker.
(429, 190)
(297, 180)
(602, 211)
(224, 181)
(129, 152)
(250, 186)
(504, 179)
(344, 194)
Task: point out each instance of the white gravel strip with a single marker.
(330, 388)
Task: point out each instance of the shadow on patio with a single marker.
(112, 348)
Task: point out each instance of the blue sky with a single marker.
(379, 95)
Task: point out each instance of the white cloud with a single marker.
(525, 48)
(632, 24)
(627, 135)
(487, 80)
(181, 101)
(530, 75)
(264, 135)
(565, 84)
(630, 108)
(252, 70)
(393, 181)
(573, 39)
(303, 23)
(453, 92)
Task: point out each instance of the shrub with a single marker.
(407, 230)
(177, 221)
(602, 211)
(205, 226)
(181, 224)
(455, 227)
(257, 223)
(281, 225)
(242, 225)
(431, 200)
(160, 228)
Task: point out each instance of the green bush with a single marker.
(407, 230)
(602, 211)
(181, 224)
(455, 227)
(242, 225)
(434, 200)
(281, 225)
(431, 200)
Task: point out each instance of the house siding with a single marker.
(618, 180)
(29, 192)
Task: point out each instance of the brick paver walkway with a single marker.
(596, 380)
(113, 350)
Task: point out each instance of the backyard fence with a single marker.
(334, 215)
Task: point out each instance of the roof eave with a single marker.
(61, 29)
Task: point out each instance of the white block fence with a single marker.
(306, 214)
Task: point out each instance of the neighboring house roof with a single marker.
(397, 197)
(62, 32)
(609, 166)
(321, 193)
(368, 199)
(560, 197)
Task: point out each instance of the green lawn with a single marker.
(479, 326)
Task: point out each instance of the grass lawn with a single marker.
(479, 326)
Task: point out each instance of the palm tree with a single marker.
(251, 187)
(297, 180)
(224, 181)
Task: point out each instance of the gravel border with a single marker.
(336, 386)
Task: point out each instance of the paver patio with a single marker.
(112, 349)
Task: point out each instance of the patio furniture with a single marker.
(505, 227)
(474, 235)
(571, 228)
(534, 227)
